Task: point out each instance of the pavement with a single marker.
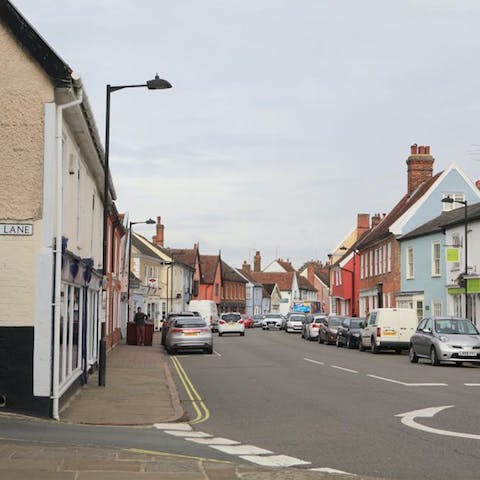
(132, 373)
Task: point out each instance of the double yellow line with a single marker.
(203, 414)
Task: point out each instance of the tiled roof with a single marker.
(184, 255)
(286, 265)
(305, 284)
(141, 244)
(382, 231)
(229, 274)
(446, 219)
(284, 280)
(208, 266)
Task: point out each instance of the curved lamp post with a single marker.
(156, 84)
(150, 221)
(449, 199)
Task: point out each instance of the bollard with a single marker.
(102, 360)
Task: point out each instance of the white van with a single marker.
(388, 329)
(207, 309)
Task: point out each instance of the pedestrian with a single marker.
(139, 320)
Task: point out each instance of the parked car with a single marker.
(388, 329)
(348, 333)
(311, 326)
(445, 339)
(327, 332)
(272, 321)
(247, 320)
(189, 333)
(231, 323)
(258, 320)
(167, 322)
(294, 323)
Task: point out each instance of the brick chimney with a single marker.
(158, 239)
(311, 273)
(420, 166)
(363, 224)
(246, 266)
(376, 219)
(257, 262)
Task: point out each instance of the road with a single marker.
(336, 408)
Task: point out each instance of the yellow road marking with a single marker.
(192, 393)
(176, 455)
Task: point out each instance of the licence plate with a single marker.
(389, 332)
(191, 334)
(469, 354)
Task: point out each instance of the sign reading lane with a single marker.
(18, 229)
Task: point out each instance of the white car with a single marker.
(231, 323)
(272, 321)
(294, 323)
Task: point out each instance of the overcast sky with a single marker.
(286, 117)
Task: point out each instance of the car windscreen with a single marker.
(356, 324)
(297, 318)
(455, 327)
(190, 322)
(319, 319)
(231, 317)
(272, 315)
(335, 321)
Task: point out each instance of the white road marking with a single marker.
(409, 384)
(344, 369)
(241, 450)
(213, 441)
(172, 426)
(408, 419)
(274, 460)
(178, 433)
(472, 384)
(314, 361)
(330, 470)
(216, 353)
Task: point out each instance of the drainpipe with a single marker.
(58, 254)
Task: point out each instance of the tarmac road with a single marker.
(336, 408)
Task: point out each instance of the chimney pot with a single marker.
(413, 149)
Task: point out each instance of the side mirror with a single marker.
(426, 330)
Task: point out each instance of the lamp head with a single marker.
(447, 200)
(158, 83)
(150, 221)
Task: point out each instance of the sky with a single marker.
(286, 118)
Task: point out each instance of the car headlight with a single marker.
(443, 339)
(356, 334)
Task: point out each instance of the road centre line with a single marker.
(241, 449)
(192, 393)
(274, 460)
(408, 384)
(344, 369)
(472, 384)
(314, 361)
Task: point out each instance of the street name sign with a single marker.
(17, 229)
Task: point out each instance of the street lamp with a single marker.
(156, 84)
(449, 199)
(150, 221)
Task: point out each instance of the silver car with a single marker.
(445, 339)
(189, 333)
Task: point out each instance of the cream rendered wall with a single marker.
(83, 210)
(24, 91)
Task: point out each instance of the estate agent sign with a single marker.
(18, 229)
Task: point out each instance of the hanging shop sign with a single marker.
(16, 229)
(453, 254)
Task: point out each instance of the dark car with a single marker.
(327, 333)
(348, 333)
(168, 321)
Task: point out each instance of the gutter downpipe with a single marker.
(58, 254)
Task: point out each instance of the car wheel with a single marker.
(361, 346)
(337, 343)
(374, 347)
(349, 345)
(459, 364)
(220, 334)
(434, 357)
(412, 354)
(209, 350)
(242, 334)
(320, 340)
